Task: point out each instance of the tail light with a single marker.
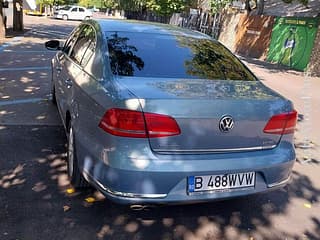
(282, 123)
(129, 123)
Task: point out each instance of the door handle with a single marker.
(68, 83)
(59, 69)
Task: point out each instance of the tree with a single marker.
(218, 5)
(166, 7)
(2, 27)
(84, 3)
(45, 2)
(17, 15)
(160, 7)
(131, 5)
(111, 4)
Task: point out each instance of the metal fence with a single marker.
(203, 22)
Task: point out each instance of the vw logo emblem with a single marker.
(226, 124)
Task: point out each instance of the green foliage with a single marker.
(111, 4)
(85, 3)
(160, 7)
(45, 2)
(166, 7)
(218, 5)
(56, 2)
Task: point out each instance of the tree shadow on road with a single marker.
(44, 199)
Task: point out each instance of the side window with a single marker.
(74, 9)
(71, 40)
(85, 46)
(81, 10)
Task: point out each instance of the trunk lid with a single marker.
(214, 116)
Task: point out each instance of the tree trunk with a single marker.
(2, 27)
(17, 15)
(260, 7)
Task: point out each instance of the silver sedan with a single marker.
(159, 114)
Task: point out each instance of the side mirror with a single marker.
(52, 45)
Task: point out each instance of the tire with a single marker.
(75, 176)
(87, 18)
(65, 17)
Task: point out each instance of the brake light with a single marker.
(129, 123)
(284, 123)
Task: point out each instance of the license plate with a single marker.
(221, 182)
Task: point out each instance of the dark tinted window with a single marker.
(65, 8)
(84, 47)
(71, 40)
(156, 55)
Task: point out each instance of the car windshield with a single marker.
(169, 56)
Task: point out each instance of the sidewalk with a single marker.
(304, 92)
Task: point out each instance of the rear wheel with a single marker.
(65, 17)
(75, 176)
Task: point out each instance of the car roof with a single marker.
(134, 26)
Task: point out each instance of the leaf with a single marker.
(70, 190)
(90, 199)
(307, 205)
(66, 208)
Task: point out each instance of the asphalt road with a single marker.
(37, 201)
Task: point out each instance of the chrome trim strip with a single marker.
(123, 194)
(216, 150)
(229, 190)
(279, 183)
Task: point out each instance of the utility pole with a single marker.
(17, 15)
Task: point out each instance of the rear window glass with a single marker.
(169, 56)
(65, 8)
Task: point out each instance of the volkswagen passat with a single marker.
(158, 114)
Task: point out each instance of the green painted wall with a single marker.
(292, 41)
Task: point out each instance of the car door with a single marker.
(78, 79)
(74, 13)
(86, 76)
(61, 73)
(81, 13)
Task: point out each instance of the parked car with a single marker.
(73, 13)
(159, 114)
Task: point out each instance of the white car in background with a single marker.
(73, 13)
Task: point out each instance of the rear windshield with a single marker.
(169, 56)
(65, 8)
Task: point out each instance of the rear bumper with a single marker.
(58, 16)
(176, 196)
(164, 179)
